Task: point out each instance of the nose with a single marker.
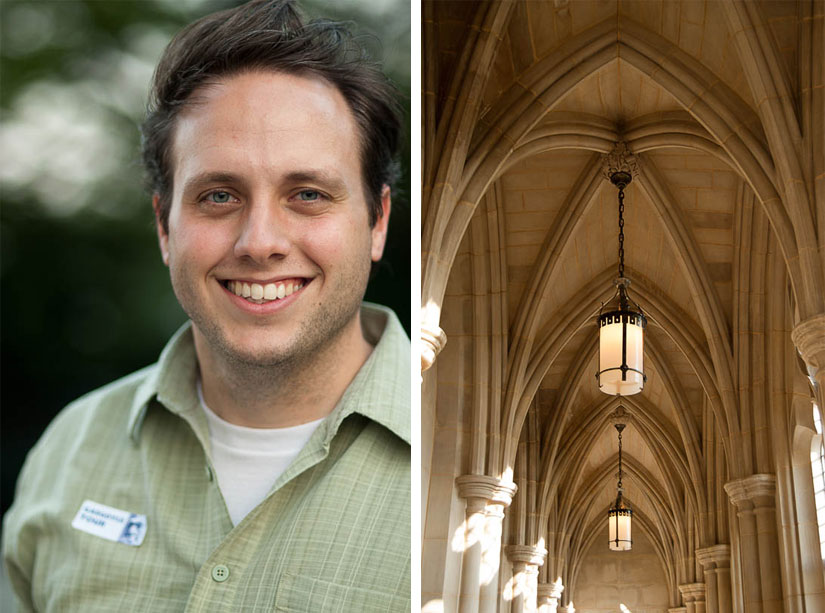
(264, 233)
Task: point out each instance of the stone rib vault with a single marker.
(722, 105)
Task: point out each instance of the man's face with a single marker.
(269, 245)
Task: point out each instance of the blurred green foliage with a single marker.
(85, 297)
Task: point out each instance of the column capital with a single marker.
(809, 338)
(752, 489)
(551, 590)
(485, 488)
(433, 340)
(495, 510)
(526, 554)
(715, 556)
(693, 592)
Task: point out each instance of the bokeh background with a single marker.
(85, 298)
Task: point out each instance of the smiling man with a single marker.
(263, 463)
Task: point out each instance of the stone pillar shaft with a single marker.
(548, 596)
(490, 560)
(754, 497)
(711, 593)
(751, 583)
(517, 604)
(483, 494)
(769, 558)
(715, 561)
(526, 561)
(723, 590)
(471, 560)
(693, 595)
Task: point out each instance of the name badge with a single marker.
(110, 523)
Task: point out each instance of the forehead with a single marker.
(269, 120)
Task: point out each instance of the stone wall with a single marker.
(609, 578)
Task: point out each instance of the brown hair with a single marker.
(271, 35)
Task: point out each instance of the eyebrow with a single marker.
(327, 181)
(208, 178)
(323, 179)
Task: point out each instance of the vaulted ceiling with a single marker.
(538, 223)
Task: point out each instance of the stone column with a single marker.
(548, 595)
(715, 561)
(433, 340)
(693, 595)
(754, 498)
(479, 491)
(526, 560)
(519, 587)
(809, 338)
(763, 495)
(531, 572)
(491, 554)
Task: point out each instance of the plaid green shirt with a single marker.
(332, 535)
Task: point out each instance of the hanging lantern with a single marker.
(619, 515)
(621, 325)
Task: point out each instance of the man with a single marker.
(263, 463)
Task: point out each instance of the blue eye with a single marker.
(219, 197)
(309, 195)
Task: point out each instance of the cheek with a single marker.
(193, 245)
(338, 245)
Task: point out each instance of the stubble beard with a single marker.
(317, 335)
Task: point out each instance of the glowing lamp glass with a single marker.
(621, 353)
(619, 528)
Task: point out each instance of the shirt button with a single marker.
(209, 472)
(220, 573)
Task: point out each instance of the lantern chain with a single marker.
(621, 233)
(620, 458)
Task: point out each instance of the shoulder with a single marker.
(68, 456)
(105, 408)
(94, 424)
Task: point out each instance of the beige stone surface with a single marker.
(634, 578)
(720, 106)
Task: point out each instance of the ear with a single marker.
(163, 236)
(379, 230)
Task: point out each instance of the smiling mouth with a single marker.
(263, 293)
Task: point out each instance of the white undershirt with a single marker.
(248, 461)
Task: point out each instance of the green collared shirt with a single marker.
(332, 535)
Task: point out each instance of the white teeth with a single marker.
(255, 292)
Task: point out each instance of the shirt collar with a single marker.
(380, 390)
(171, 381)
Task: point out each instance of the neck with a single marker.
(289, 394)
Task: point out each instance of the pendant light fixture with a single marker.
(621, 321)
(619, 515)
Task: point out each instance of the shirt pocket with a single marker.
(299, 594)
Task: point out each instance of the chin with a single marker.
(283, 346)
(260, 353)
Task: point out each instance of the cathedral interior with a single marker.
(716, 110)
